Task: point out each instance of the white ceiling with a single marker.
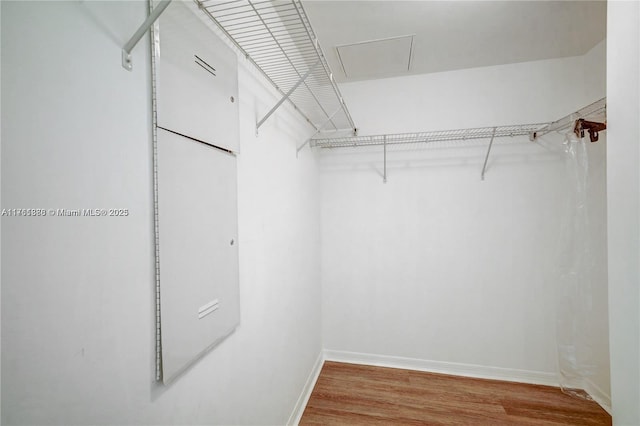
(451, 35)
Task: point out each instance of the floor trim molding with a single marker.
(598, 395)
(452, 368)
(301, 404)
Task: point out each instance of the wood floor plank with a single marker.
(364, 395)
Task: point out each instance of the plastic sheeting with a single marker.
(574, 309)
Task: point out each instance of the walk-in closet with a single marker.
(320, 212)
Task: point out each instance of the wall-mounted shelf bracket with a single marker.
(486, 158)
(286, 96)
(319, 130)
(591, 126)
(298, 149)
(135, 38)
(384, 170)
(596, 109)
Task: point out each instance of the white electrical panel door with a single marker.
(198, 249)
(197, 80)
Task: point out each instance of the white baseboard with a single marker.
(301, 404)
(598, 395)
(452, 368)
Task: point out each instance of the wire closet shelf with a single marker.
(426, 137)
(276, 36)
(536, 130)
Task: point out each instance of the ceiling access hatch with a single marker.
(376, 58)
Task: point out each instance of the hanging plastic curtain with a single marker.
(574, 290)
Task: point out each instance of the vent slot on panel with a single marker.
(208, 68)
(208, 308)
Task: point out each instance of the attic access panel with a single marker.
(376, 58)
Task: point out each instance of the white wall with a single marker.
(77, 305)
(598, 384)
(623, 188)
(437, 265)
(594, 70)
(500, 95)
(594, 74)
(0, 224)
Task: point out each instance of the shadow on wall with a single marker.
(114, 29)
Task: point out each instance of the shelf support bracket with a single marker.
(286, 96)
(384, 172)
(486, 158)
(591, 126)
(135, 38)
(318, 130)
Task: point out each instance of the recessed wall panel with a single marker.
(197, 80)
(198, 249)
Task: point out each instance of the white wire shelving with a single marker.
(536, 130)
(426, 137)
(276, 36)
(597, 109)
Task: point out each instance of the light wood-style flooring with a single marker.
(350, 394)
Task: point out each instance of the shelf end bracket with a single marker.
(286, 96)
(127, 62)
(486, 158)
